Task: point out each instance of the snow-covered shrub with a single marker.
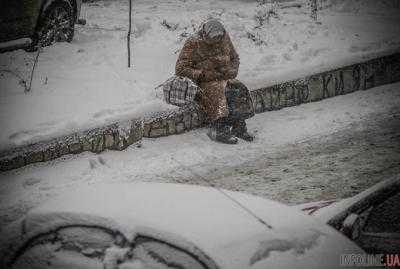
(266, 9)
(169, 25)
(264, 12)
(256, 38)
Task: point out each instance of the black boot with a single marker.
(239, 130)
(220, 131)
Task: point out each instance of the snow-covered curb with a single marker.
(118, 136)
(339, 81)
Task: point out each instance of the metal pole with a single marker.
(129, 33)
(28, 87)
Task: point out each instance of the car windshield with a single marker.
(385, 218)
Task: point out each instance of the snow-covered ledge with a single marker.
(118, 136)
(343, 80)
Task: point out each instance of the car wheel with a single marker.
(56, 24)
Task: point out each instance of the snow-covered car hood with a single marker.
(195, 218)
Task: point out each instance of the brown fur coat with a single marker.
(210, 66)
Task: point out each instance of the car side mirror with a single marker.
(352, 226)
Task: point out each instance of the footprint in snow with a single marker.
(93, 163)
(31, 181)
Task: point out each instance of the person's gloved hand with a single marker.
(220, 60)
(210, 75)
(228, 73)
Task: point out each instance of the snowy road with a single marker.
(328, 167)
(329, 149)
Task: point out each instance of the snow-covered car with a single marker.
(155, 225)
(24, 22)
(371, 219)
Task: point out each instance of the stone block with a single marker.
(12, 163)
(180, 128)
(34, 157)
(75, 147)
(291, 94)
(109, 140)
(128, 133)
(137, 131)
(187, 120)
(120, 142)
(86, 143)
(253, 95)
(287, 94)
(380, 70)
(258, 102)
(301, 91)
(338, 82)
(98, 143)
(315, 87)
(146, 130)
(368, 76)
(328, 85)
(266, 99)
(274, 98)
(158, 132)
(62, 148)
(50, 153)
(135, 135)
(395, 71)
(195, 120)
(283, 95)
(178, 117)
(349, 76)
(157, 124)
(171, 126)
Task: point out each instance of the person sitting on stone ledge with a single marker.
(210, 60)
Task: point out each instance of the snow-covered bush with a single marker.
(169, 25)
(266, 9)
(264, 12)
(256, 37)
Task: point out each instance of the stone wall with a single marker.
(120, 135)
(340, 81)
(174, 122)
(116, 136)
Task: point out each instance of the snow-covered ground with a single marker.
(192, 156)
(87, 83)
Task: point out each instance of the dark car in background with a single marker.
(33, 23)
